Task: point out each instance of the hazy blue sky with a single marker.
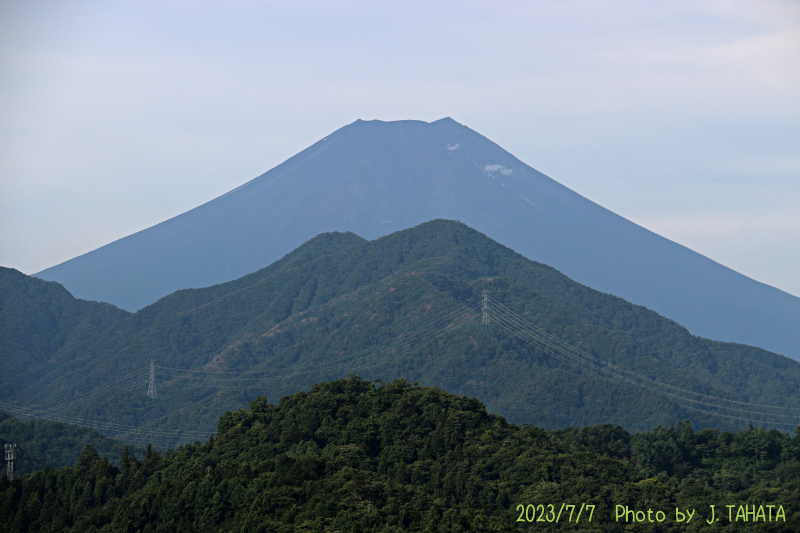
(683, 116)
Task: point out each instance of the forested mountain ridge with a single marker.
(38, 318)
(407, 305)
(351, 455)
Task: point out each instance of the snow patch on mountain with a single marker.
(494, 168)
(533, 204)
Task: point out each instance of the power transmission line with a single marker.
(490, 311)
(453, 319)
(568, 354)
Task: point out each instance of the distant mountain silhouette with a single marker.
(375, 177)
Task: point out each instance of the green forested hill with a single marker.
(43, 443)
(351, 455)
(406, 305)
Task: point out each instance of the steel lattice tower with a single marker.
(151, 385)
(11, 454)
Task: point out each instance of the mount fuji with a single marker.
(374, 178)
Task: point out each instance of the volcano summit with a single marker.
(374, 178)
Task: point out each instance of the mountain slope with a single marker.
(38, 318)
(407, 305)
(374, 178)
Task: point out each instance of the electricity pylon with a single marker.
(151, 386)
(11, 454)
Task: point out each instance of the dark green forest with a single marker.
(43, 443)
(407, 305)
(354, 455)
